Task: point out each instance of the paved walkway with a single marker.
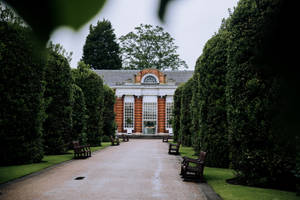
(135, 170)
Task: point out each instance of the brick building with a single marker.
(144, 99)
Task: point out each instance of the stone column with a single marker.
(119, 110)
(138, 114)
(161, 109)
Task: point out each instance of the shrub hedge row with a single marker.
(21, 96)
(44, 105)
(241, 99)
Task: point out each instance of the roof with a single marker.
(126, 77)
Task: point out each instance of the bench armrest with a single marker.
(187, 159)
(197, 162)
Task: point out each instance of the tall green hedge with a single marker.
(245, 101)
(176, 113)
(211, 68)
(21, 90)
(92, 88)
(261, 154)
(195, 112)
(79, 115)
(109, 124)
(185, 135)
(58, 125)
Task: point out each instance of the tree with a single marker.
(58, 125)
(92, 87)
(101, 51)
(149, 47)
(21, 93)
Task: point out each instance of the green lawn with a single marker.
(216, 178)
(8, 173)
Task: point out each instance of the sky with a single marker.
(190, 22)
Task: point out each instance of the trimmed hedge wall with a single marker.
(58, 125)
(92, 88)
(261, 153)
(213, 134)
(109, 125)
(243, 104)
(79, 115)
(186, 114)
(21, 96)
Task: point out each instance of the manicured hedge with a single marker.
(261, 153)
(92, 87)
(244, 105)
(176, 113)
(109, 125)
(79, 115)
(21, 95)
(58, 125)
(186, 114)
(211, 69)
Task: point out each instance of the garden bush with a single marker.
(185, 135)
(58, 125)
(92, 87)
(213, 134)
(176, 112)
(109, 124)
(262, 154)
(79, 115)
(22, 64)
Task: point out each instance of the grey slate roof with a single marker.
(121, 77)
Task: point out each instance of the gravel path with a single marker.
(135, 170)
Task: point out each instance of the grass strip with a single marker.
(8, 173)
(216, 177)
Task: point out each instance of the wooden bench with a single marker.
(125, 138)
(81, 151)
(194, 172)
(174, 148)
(165, 138)
(114, 141)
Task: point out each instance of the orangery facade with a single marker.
(144, 99)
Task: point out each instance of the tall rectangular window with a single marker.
(149, 111)
(169, 110)
(128, 115)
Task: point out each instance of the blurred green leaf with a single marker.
(45, 16)
(162, 9)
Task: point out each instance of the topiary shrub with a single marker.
(109, 124)
(185, 134)
(176, 112)
(79, 115)
(263, 154)
(22, 64)
(211, 67)
(58, 125)
(92, 87)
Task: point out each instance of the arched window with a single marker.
(150, 79)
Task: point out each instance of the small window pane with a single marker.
(128, 115)
(169, 110)
(150, 79)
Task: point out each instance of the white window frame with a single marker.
(128, 102)
(169, 101)
(147, 75)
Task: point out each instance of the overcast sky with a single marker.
(190, 22)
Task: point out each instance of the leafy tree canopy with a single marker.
(101, 51)
(150, 47)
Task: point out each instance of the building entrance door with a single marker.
(149, 127)
(149, 115)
